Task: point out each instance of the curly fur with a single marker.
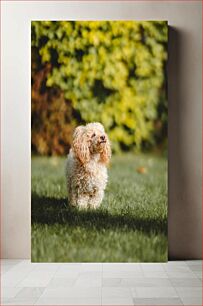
(86, 167)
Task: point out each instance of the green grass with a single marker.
(130, 225)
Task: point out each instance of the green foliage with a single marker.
(129, 226)
(112, 72)
(52, 115)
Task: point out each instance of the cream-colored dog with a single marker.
(86, 170)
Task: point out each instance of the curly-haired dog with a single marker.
(86, 166)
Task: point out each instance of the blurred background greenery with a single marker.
(113, 72)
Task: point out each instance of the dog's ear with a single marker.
(105, 155)
(80, 145)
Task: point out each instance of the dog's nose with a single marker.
(102, 137)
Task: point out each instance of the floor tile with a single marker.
(75, 267)
(22, 301)
(71, 264)
(67, 274)
(193, 262)
(177, 268)
(37, 279)
(123, 274)
(68, 271)
(69, 301)
(14, 276)
(30, 292)
(4, 301)
(152, 267)
(196, 268)
(75, 292)
(146, 282)
(189, 291)
(90, 274)
(178, 262)
(92, 278)
(112, 282)
(45, 267)
(169, 283)
(88, 282)
(178, 274)
(185, 282)
(92, 267)
(9, 292)
(117, 301)
(122, 267)
(192, 301)
(11, 261)
(155, 274)
(116, 292)
(175, 263)
(158, 301)
(198, 274)
(153, 292)
(6, 268)
(61, 282)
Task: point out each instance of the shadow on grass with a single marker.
(57, 211)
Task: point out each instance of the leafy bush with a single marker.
(109, 71)
(51, 117)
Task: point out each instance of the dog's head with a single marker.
(90, 140)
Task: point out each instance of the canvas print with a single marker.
(99, 141)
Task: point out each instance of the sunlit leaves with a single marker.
(112, 71)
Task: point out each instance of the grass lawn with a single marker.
(130, 225)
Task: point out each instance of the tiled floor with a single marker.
(173, 283)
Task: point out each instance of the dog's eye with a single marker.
(93, 135)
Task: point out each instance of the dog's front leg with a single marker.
(96, 199)
(91, 187)
(83, 201)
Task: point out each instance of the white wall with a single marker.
(184, 112)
